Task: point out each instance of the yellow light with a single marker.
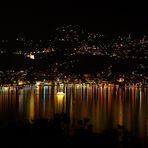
(120, 80)
(62, 84)
(6, 88)
(38, 83)
(20, 82)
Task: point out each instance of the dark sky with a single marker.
(40, 17)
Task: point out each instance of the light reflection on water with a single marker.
(105, 106)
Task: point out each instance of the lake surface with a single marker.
(105, 106)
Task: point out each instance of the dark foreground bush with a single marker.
(58, 133)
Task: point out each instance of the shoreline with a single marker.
(104, 85)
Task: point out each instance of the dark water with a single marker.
(105, 106)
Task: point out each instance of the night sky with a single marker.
(43, 17)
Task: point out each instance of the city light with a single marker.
(32, 57)
(120, 80)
